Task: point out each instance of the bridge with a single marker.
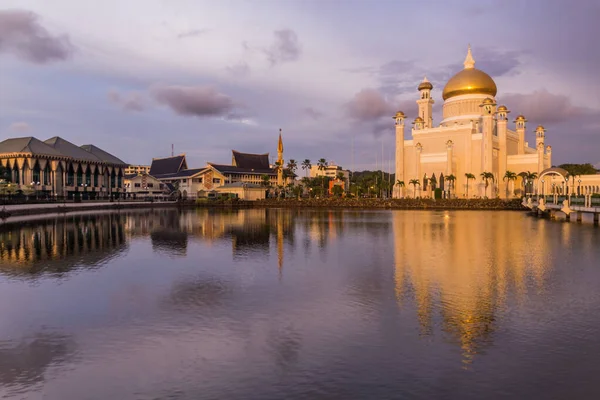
(578, 205)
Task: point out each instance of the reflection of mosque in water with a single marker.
(459, 273)
(59, 244)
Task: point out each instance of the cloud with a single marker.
(239, 70)
(544, 107)
(312, 113)
(368, 105)
(286, 47)
(22, 35)
(20, 127)
(192, 33)
(129, 101)
(198, 101)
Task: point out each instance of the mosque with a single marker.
(472, 138)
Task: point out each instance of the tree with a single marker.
(265, 180)
(400, 185)
(469, 176)
(322, 165)
(579, 169)
(510, 177)
(486, 177)
(450, 178)
(337, 190)
(529, 178)
(306, 166)
(414, 182)
(292, 165)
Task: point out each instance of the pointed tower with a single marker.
(399, 121)
(425, 102)
(469, 62)
(280, 160)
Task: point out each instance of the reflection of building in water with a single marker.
(59, 244)
(25, 363)
(460, 270)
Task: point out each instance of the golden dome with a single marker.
(469, 81)
(502, 108)
(425, 85)
(417, 120)
(399, 114)
(520, 117)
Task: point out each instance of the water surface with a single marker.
(280, 304)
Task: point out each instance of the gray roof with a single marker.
(71, 150)
(29, 145)
(251, 161)
(103, 155)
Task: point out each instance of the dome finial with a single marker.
(469, 60)
(425, 79)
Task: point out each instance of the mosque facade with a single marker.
(473, 138)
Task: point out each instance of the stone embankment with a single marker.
(402, 204)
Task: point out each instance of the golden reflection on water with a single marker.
(460, 270)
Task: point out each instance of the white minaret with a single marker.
(425, 102)
(540, 136)
(502, 126)
(488, 109)
(399, 121)
(520, 123)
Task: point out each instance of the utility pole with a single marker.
(172, 150)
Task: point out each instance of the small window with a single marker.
(137, 185)
(216, 180)
(151, 185)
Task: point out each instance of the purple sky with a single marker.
(135, 77)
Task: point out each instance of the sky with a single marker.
(207, 77)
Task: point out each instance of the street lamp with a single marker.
(543, 188)
(579, 188)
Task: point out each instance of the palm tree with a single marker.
(450, 178)
(486, 176)
(510, 177)
(292, 165)
(529, 178)
(414, 182)
(306, 166)
(400, 185)
(321, 166)
(469, 176)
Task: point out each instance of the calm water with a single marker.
(276, 304)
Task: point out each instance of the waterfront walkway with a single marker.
(11, 210)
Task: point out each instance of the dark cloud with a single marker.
(372, 110)
(286, 47)
(20, 127)
(398, 77)
(192, 33)
(22, 35)
(198, 101)
(543, 107)
(312, 113)
(369, 105)
(130, 101)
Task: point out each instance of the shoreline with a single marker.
(9, 211)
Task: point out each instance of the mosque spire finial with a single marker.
(469, 60)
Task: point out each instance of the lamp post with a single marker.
(579, 188)
(543, 189)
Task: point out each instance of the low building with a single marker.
(142, 186)
(174, 171)
(59, 168)
(137, 169)
(332, 171)
(244, 191)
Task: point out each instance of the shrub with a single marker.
(437, 193)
